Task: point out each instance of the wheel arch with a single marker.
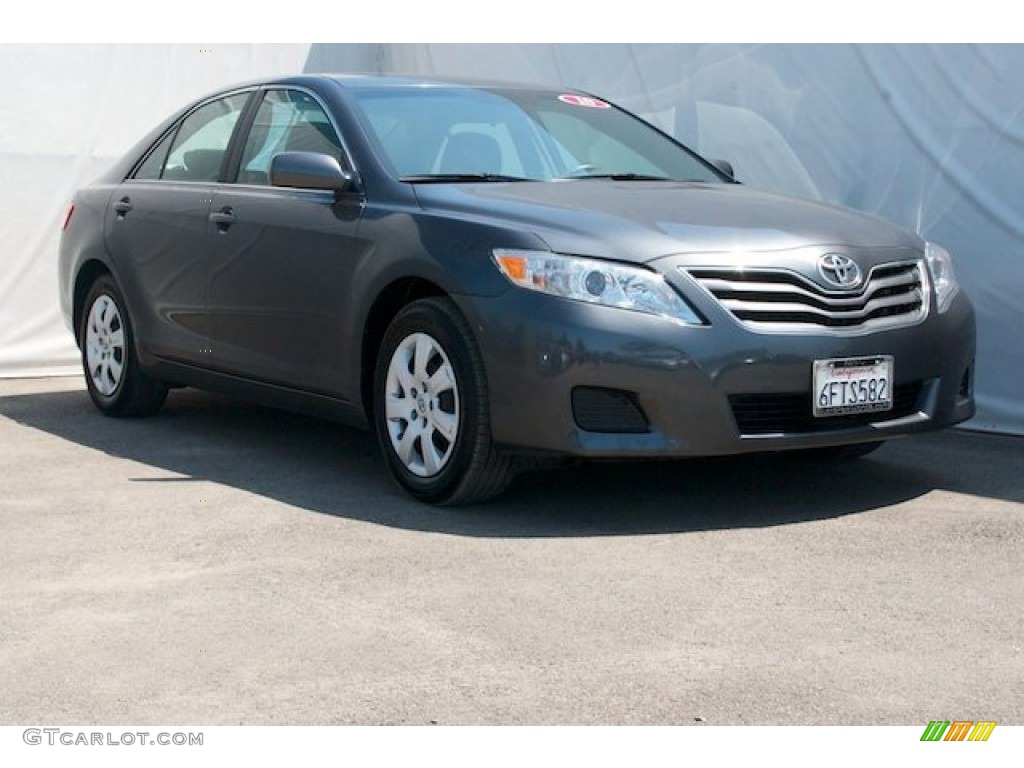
(87, 275)
(388, 303)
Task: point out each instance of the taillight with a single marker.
(67, 216)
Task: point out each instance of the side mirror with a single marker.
(309, 170)
(725, 167)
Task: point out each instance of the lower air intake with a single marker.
(597, 409)
(793, 413)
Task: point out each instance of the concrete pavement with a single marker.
(223, 563)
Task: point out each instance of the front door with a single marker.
(283, 258)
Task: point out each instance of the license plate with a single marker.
(853, 385)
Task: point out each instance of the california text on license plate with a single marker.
(853, 385)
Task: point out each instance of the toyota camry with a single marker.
(489, 275)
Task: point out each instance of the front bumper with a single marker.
(692, 382)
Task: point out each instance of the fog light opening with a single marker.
(598, 409)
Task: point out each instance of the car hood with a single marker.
(641, 221)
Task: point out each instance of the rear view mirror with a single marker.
(308, 170)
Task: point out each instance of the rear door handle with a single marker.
(122, 206)
(223, 218)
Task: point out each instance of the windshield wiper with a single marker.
(618, 176)
(454, 178)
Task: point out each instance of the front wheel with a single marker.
(431, 410)
(117, 384)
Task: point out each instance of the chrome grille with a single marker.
(893, 294)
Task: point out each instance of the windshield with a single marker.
(462, 134)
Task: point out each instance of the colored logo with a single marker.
(839, 270)
(958, 730)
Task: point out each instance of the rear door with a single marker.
(158, 229)
(283, 258)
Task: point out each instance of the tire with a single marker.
(116, 382)
(431, 410)
(836, 453)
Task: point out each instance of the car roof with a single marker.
(356, 81)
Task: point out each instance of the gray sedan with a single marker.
(492, 275)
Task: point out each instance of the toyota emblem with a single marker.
(839, 270)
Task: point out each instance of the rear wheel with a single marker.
(117, 384)
(431, 409)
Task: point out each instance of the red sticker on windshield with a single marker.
(583, 101)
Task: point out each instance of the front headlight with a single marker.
(940, 266)
(596, 282)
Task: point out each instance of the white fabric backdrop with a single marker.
(928, 136)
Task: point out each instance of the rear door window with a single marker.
(201, 142)
(153, 166)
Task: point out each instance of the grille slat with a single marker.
(752, 309)
(894, 294)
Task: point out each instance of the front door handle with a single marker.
(122, 206)
(223, 218)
